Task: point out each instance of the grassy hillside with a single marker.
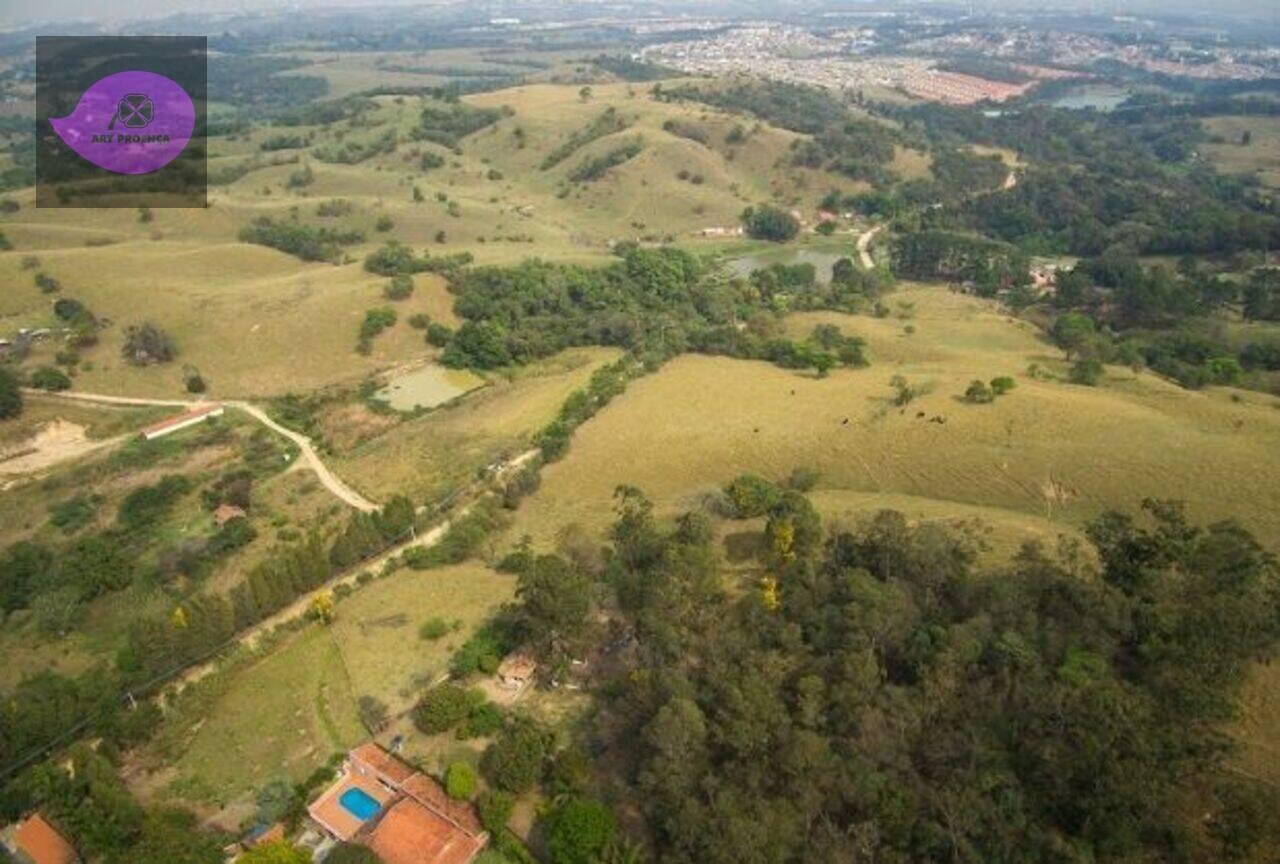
(238, 312)
(1049, 453)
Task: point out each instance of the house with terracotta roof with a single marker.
(403, 815)
(35, 841)
(182, 421)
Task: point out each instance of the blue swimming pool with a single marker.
(359, 804)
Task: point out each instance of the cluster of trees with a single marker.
(88, 801)
(1113, 309)
(767, 222)
(595, 167)
(807, 110)
(397, 259)
(448, 123)
(369, 533)
(1129, 183)
(990, 266)
(448, 707)
(857, 148)
(351, 152)
(874, 694)
(655, 302)
(306, 242)
(608, 123)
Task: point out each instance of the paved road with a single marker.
(310, 457)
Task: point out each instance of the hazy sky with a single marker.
(19, 13)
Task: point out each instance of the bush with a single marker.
(1086, 371)
(10, 395)
(443, 707)
(752, 496)
(1002, 385)
(351, 853)
(373, 714)
(579, 830)
(494, 808)
(433, 629)
(514, 762)
(399, 288)
(460, 781)
(419, 321)
(483, 721)
(51, 379)
(438, 335)
(978, 393)
(145, 344)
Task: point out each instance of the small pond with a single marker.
(1098, 97)
(427, 387)
(822, 261)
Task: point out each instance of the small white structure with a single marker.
(183, 421)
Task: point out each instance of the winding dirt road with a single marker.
(310, 457)
(864, 246)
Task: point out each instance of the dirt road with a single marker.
(310, 457)
(864, 246)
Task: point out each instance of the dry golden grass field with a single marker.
(1260, 158)
(1047, 454)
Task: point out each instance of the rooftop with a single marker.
(41, 842)
(411, 834)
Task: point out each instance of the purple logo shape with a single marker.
(130, 123)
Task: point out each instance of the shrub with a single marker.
(460, 781)
(1086, 371)
(438, 335)
(752, 496)
(10, 395)
(443, 707)
(579, 830)
(494, 808)
(351, 853)
(978, 393)
(375, 321)
(419, 321)
(1002, 385)
(50, 378)
(385, 223)
(399, 288)
(433, 629)
(373, 714)
(514, 762)
(145, 344)
(483, 721)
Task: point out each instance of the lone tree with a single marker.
(767, 222)
(146, 344)
(10, 395)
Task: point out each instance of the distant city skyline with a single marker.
(17, 14)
